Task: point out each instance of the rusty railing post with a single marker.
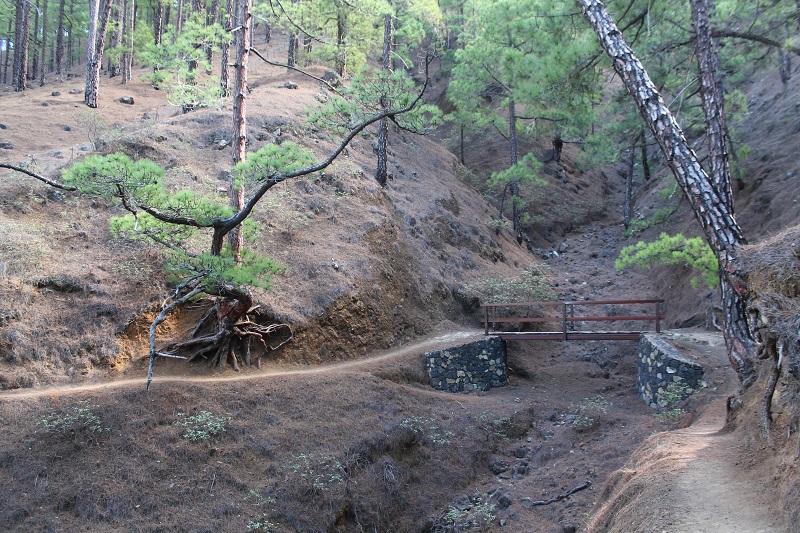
(572, 316)
(486, 319)
(564, 320)
(658, 317)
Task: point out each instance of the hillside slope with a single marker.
(366, 266)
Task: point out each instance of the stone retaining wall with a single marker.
(477, 365)
(661, 364)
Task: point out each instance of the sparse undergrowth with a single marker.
(533, 284)
(429, 429)
(80, 419)
(582, 416)
(671, 400)
(202, 426)
(478, 516)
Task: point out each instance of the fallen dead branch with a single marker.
(567, 494)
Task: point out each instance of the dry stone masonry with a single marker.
(479, 365)
(660, 364)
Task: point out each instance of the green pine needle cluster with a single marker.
(673, 250)
(271, 161)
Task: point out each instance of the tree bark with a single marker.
(98, 24)
(291, 56)
(381, 173)
(178, 19)
(225, 51)
(211, 20)
(626, 210)
(21, 30)
(158, 23)
(34, 69)
(43, 60)
(710, 209)
(127, 58)
(7, 42)
(116, 35)
(461, 144)
(60, 41)
(244, 10)
(712, 98)
(645, 161)
(341, 41)
(70, 42)
(514, 186)
(785, 68)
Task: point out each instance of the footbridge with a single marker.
(577, 320)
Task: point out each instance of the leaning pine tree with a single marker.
(709, 198)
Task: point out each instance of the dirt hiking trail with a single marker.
(268, 369)
(698, 479)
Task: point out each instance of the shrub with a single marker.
(497, 426)
(76, 419)
(261, 524)
(478, 517)
(659, 217)
(531, 285)
(427, 428)
(201, 426)
(595, 404)
(320, 471)
(669, 400)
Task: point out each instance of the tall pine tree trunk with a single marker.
(60, 41)
(244, 10)
(291, 58)
(70, 42)
(514, 185)
(226, 47)
(710, 208)
(44, 45)
(381, 174)
(116, 35)
(712, 98)
(7, 59)
(21, 30)
(128, 27)
(211, 20)
(341, 41)
(158, 22)
(100, 11)
(178, 20)
(627, 206)
(35, 39)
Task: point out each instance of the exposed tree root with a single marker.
(769, 392)
(237, 322)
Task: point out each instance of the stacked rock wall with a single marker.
(477, 365)
(660, 364)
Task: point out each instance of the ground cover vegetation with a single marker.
(533, 71)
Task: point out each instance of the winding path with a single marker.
(442, 340)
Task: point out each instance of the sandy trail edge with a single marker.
(452, 338)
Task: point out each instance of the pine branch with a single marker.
(39, 177)
(747, 36)
(301, 71)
